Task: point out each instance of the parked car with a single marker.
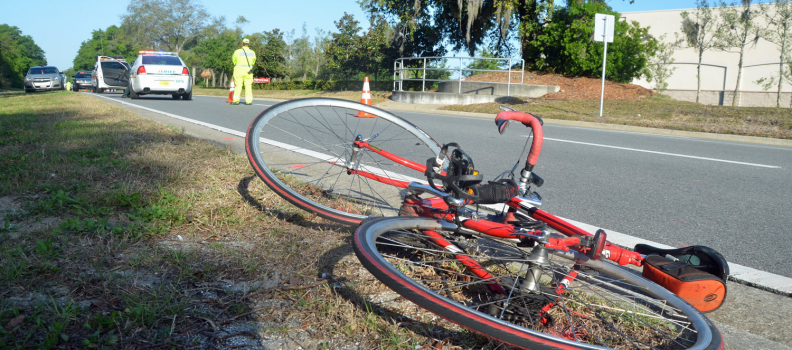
(43, 78)
(109, 72)
(81, 80)
(160, 73)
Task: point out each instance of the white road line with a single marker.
(739, 273)
(663, 153)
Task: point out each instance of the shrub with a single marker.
(568, 46)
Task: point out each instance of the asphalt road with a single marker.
(731, 196)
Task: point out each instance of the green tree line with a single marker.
(18, 52)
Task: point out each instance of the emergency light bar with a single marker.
(161, 53)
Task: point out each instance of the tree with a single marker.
(701, 29)
(778, 32)
(466, 25)
(307, 56)
(568, 48)
(165, 24)
(343, 52)
(659, 67)
(215, 52)
(18, 52)
(111, 42)
(270, 48)
(483, 64)
(318, 62)
(739, 30)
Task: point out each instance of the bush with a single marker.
(568, 46)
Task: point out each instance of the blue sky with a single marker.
(61, 39)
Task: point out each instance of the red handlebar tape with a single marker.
(532, 122)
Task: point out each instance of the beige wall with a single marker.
(669, 22)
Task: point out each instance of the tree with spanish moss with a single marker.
(469, 24)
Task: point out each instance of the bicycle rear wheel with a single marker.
(303, 150)
(519, 301)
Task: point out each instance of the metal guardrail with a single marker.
(400, 70)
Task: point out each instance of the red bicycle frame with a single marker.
(436, 208)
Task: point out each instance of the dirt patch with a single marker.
(573, 88)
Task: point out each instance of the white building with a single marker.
(719, 68)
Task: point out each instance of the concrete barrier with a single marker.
(484, 88)
(724, 98)
(445, 98)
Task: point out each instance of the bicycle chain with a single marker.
(520, 313)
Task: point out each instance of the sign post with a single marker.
(603, 31)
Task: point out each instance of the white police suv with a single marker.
(160, 73)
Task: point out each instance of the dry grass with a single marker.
(118, 232)
(657, 112)
(376, 96)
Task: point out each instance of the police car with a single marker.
(160, 73)
(109, 73)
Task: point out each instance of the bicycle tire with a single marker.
(595, 311)
(300, 149)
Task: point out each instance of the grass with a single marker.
(118, 232)
(657, 112)
(376, 96)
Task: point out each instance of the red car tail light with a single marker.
(185, 71)
(141, 70)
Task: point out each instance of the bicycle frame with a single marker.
(436, 207)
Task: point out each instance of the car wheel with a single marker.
(28, 91)
(132, 94)
(187, 96)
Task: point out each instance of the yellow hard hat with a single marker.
(245, 41)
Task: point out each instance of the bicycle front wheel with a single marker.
(304, 150)
(521, 297)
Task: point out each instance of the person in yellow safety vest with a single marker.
(68, 86)
(244, 60)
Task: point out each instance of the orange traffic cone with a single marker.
(231, 93)
(365, 99)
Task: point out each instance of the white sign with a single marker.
(603, 27)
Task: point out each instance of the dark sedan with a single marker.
(82, 80)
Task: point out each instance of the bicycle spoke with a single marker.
(592, 308)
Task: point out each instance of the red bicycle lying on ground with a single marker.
(512, 272)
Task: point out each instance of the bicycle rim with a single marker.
(604, 307)
(303, 150)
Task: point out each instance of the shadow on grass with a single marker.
(344, 287)
(292, 218)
